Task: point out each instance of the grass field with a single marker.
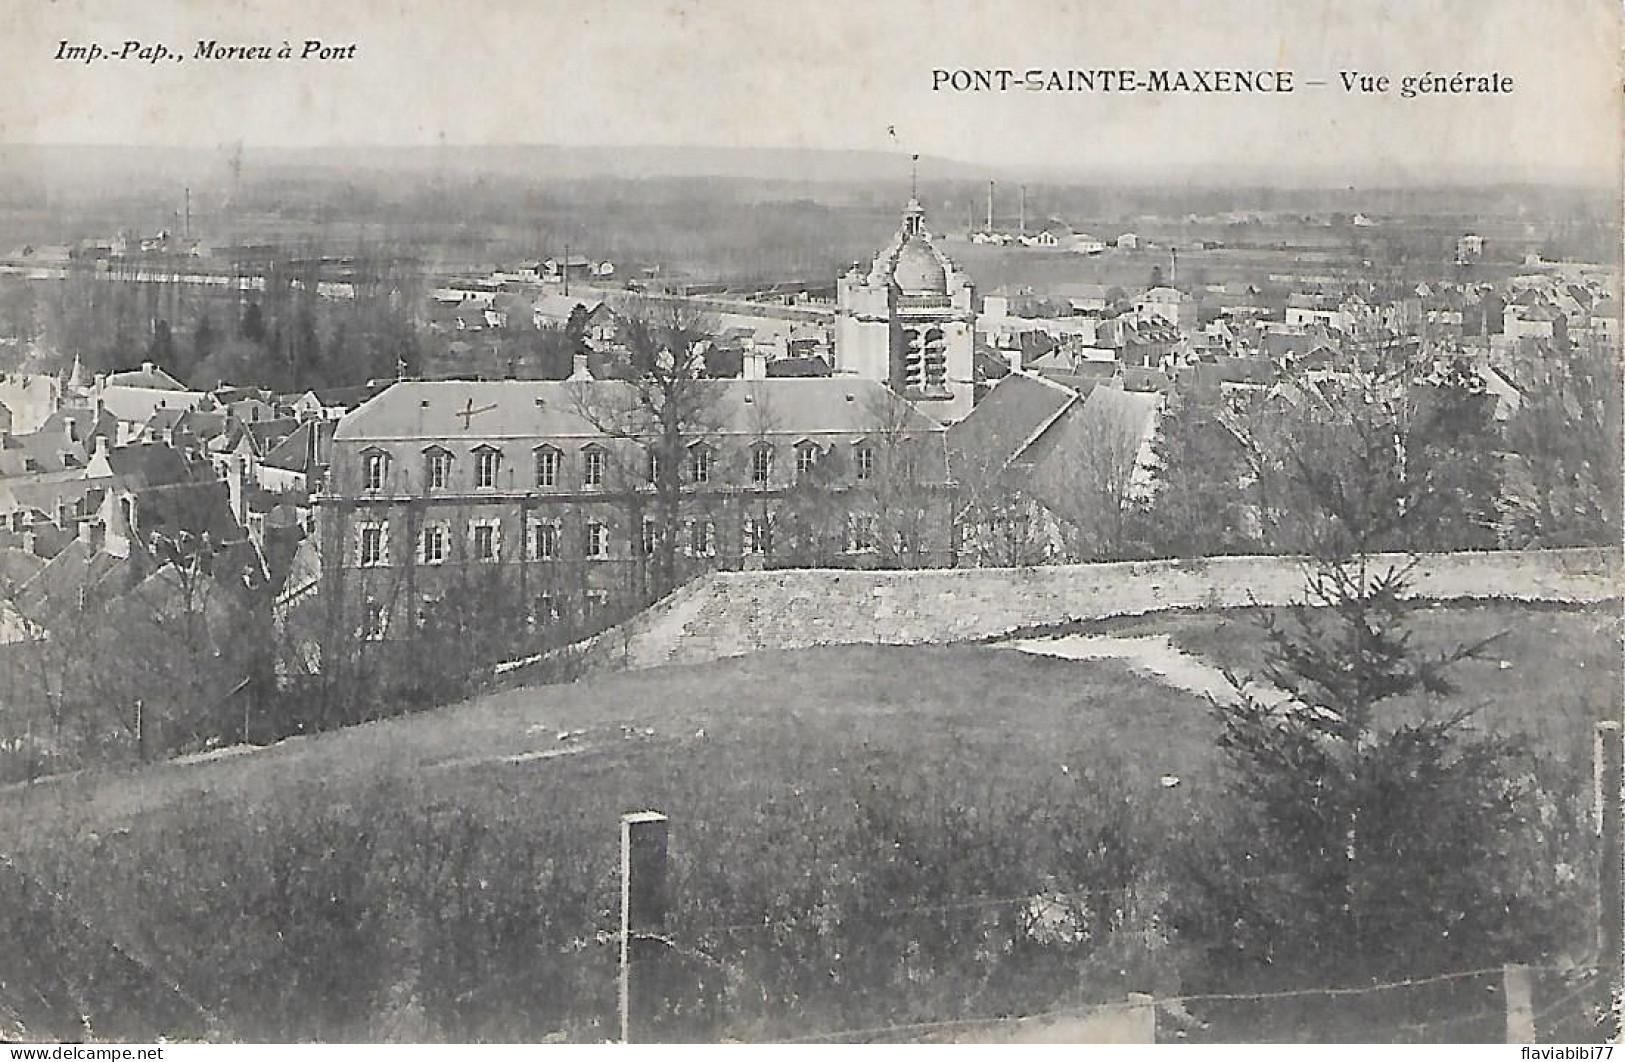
(1551, 673)
(450, 875)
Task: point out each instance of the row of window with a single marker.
(594, 464)
(544, 609)
(545, 539)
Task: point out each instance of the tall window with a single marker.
(651, 536)
(860, 533)
(434, 543)
(592, 467)
(485, 468)
(547, 467)
(755, 535)
(374, 620)
(761, 465)
(865, 461)
(483, 539)
(654, 466)
(701, 540)
(699, 463)
(806, 459)
(438, 469)
(371, 545)
(544, 540)
(597, 543)
(374, 467)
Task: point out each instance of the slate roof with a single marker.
(138, 404)
(267, 433)
(1109, 416)
(524, 409)
(17, 567)
(1013, 413)
(147, 465)
(78, 567)
(152, 377)
(302, 450)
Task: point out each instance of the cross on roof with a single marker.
(468, 412)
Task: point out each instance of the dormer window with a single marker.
(486, 462)
(865, 461)
(437, 468)
(807, 455)
(548, 460)
(374, 469)
(592, 467)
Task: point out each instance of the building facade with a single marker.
(515, 489)
(909, 321)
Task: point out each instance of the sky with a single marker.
(847, 74)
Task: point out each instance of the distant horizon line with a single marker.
(1306, 178)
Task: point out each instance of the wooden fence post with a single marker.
(1144, 1008)
(644, 901)
(1520, 1005)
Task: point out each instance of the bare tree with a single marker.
(763, 423)
(901, 481)
(1094, 483)
(662, 403)
(997, 522)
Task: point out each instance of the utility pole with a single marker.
(990, 206)
(1610, 765)
(644, 901)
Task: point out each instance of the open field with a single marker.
(450, 875)
(1551, 673)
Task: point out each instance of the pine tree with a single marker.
(1382, 833)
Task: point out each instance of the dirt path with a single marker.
(1154, 655)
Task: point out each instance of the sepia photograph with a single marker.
(824, 523)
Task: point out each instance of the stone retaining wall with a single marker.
(732, 613)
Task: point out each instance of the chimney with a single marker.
(147, 367)
(101, 381)
(578, 367)
(990, 206)
(755, 363)
(1023, 215)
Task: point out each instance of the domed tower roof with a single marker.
(919, 270)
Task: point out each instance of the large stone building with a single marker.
(909, 321)
(516, 487)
